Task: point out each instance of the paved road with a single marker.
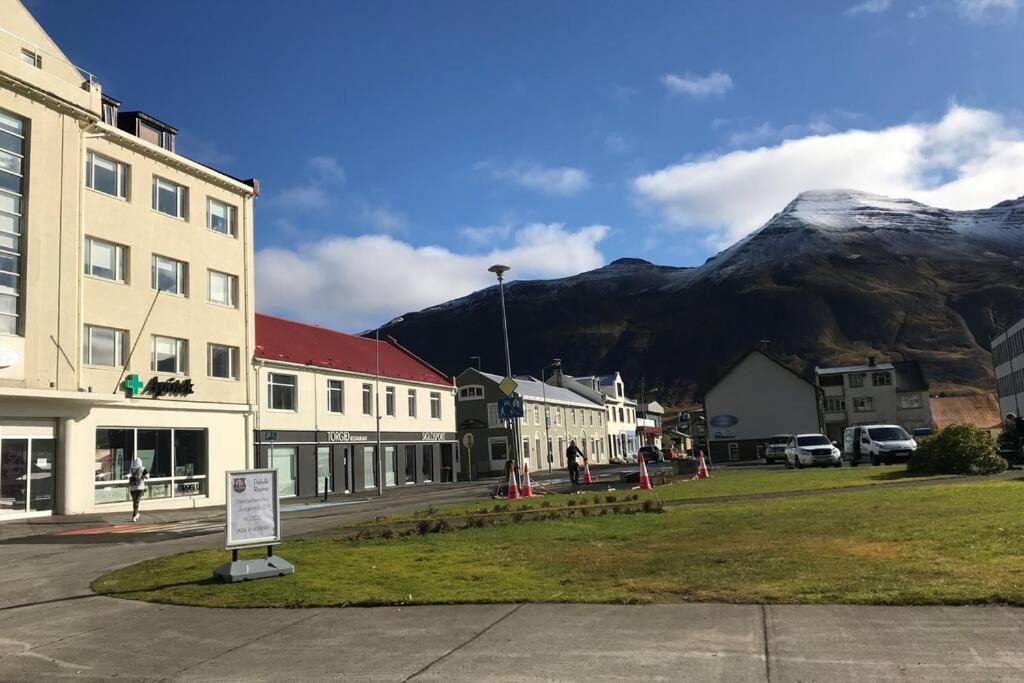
(52, 626)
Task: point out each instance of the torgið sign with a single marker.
(253, 509)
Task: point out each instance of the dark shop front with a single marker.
(347, 462)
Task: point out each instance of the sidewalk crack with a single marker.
(764, 631)
(462, 645)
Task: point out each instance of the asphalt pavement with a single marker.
(52, 626)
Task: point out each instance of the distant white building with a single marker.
(1008, 362)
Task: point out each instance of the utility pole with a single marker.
(555, 363)
(500, 271)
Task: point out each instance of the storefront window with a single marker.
(282, 458)
(390, 465)
(42, 475)
(410, 464)
(176, 460)
(428, 463)
(369, 467)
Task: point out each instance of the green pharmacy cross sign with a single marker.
(133, 385)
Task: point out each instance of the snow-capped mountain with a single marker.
(835, 276)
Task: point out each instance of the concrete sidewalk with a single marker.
(98, 638)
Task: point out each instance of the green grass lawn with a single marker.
(948, 544)
(724, 483)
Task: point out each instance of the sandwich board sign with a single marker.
(253, 520)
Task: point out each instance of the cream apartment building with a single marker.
(126, 296)
(320, 394)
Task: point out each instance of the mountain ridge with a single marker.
(835, 276)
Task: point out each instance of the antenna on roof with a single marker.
(765, 343)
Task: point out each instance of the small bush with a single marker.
(441, 526)
(610, 498)
(957, 449)
(652, 506)
(546, 504)
(518, 517)
(571, 503)
(597, 500)
(424, 526)
(501, 507)
(388, 533)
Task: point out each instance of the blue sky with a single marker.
(404, 146)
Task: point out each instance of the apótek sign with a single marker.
(156, 388)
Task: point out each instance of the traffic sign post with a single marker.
(510, 407)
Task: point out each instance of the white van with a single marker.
(877, 443)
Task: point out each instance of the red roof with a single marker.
(292, 342)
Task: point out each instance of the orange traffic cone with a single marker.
(587, 479)
(513, 487)
(702, 468)
(527, 486)
(645, 481)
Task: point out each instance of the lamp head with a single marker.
(498, 270)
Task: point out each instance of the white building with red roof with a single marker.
(322, 396)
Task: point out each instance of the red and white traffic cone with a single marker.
(587, 479)
(527, 486)
(702, 468)
(645, 480)
(513, 487)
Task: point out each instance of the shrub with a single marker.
(652, 506)
(610, 498)
(388, 533)
(957, 449)
(424, 526)
(571, 502)
(597, 499)
(441, 526)
(546, 504)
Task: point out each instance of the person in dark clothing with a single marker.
(571, 453)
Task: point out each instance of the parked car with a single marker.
(670, 453)
(775, 450)
(617, 460)
(806, 450)
(651, 454)
(877, 443)
(921, 433)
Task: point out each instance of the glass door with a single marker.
(324, 483)
(40, 492)
(14, 479)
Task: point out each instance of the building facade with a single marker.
(125, 296)
(552, 418)
(886, 393)
(321, 399)
(620, 410)
(1008, 363)
(754, 399)
(648, 424)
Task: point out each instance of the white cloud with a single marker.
(564, 181)
(305, 197)
(382, 218)
(487, 234)
(616, 143)
(715, 83)
(327, 169)
(986, 10)
(869, 7)
(968, 159)
(353, 283)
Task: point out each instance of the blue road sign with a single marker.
(510, 407)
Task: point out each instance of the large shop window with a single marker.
(410, 464)
(369, 467)
(282, 458)
(12, 188)
(390, 465)
(428, 463)
(176, 460)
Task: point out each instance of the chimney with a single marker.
(871, 361)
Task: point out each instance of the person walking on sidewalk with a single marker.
(571, 453)
(137, 474)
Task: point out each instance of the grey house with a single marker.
(552, 417)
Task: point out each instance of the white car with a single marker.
(807, 450)
(878, 443)
(775, 449)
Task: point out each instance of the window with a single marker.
(170, 198)
(281, 390)
(863, 404)
(157, 136)
(558, 416)
(435, 405)
(220, 217)
(835, 405)
(412, 403)
(335, 396)
(170, 275)
(410, 464)
(110, 113)
(105, 259)
(600, 419)
(856, 381)
(282, 459)
(176, 460)
(367, 399)
(881, 379)
(12, 187)
(835, 380)
(622, 415)
(497, 448)
(223, 289)
(618, 390)
(471, 393)
(103, 346)
(573, 411)
(910, 401)
(32, 59)
(170, 355)
(590, 417)
(389, 401)
(106, 175)
(223, 361)
(428, 463)
(492, 416)
(536, 415)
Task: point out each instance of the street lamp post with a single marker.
(556, 363)
(643, 405)
(500, 271)
(376, 400)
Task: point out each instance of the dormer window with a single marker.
(148, 128)
(158, 137)
(110, 107)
